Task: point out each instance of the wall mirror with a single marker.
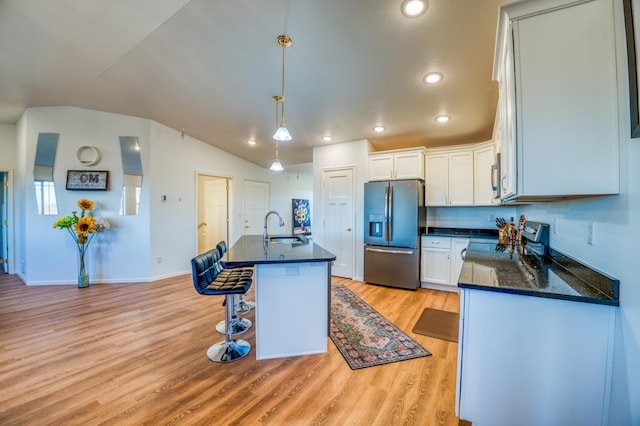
(132, 179)
(43, 174)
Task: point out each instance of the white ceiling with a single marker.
(211, 67)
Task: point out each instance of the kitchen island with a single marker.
(292, 290)
(536, 338)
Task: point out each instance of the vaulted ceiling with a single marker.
(210, 68)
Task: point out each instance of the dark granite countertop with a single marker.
(462, 233)
(518, 270)
(251, 250)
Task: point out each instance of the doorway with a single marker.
(5, 220)
(339, 220)
(213, 211)
(256, 206)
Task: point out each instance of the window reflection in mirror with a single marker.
(132, 179)
(43, 173)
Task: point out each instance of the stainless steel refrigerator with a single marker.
(394, 218)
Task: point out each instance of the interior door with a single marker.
(338, 234)
(213, 211)
(4, 221)
(256, 206)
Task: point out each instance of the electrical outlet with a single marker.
(492, 218)
(159, 259)
(590, 233)
(555, 225)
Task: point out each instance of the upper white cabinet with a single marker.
(397, 164)
(449, 178)
(555, 64)
(484, 158)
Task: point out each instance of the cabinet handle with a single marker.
(435, 242)
(463, 253)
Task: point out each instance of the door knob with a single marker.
(348, 229)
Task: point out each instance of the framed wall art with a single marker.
(301, 214)
(86, 180)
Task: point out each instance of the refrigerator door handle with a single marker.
(386, 213)
(390, 215)
(389, 251)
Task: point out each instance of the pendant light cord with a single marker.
(283, 47)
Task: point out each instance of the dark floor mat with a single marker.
(438, 324)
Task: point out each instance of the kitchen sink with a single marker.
(287, 239)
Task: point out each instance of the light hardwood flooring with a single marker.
(130, 354)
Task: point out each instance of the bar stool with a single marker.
(207, 282)
(243, 306)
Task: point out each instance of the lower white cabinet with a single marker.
(435, 266)
(441, 262)
(525, 360)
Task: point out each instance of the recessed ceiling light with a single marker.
(378, 129)
(413, 8)
(443, 118)
(327, 138)
(432, 77)
(251, 142)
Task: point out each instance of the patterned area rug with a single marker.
(363, 336)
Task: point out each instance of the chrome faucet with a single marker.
(265, 233)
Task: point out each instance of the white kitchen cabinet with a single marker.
(556, 68)
(441, 262)
(483, 161)
(435, 266)
(533, 361)
(458, 249)
(397, 164)
(449, 178)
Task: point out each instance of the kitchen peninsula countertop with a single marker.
(251, 250)
(517, 270)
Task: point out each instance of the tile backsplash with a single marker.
(468, 217)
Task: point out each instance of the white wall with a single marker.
(7, 146)
(129, 251)
(298, 181)
(175, 163)
(50, 255)
(350, 154)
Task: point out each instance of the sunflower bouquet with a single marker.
(82, 229)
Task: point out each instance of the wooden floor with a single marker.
(130, 354)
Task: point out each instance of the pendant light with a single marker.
(277, 166)
(282, 133)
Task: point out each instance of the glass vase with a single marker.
(83, 277)
(83, 281)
